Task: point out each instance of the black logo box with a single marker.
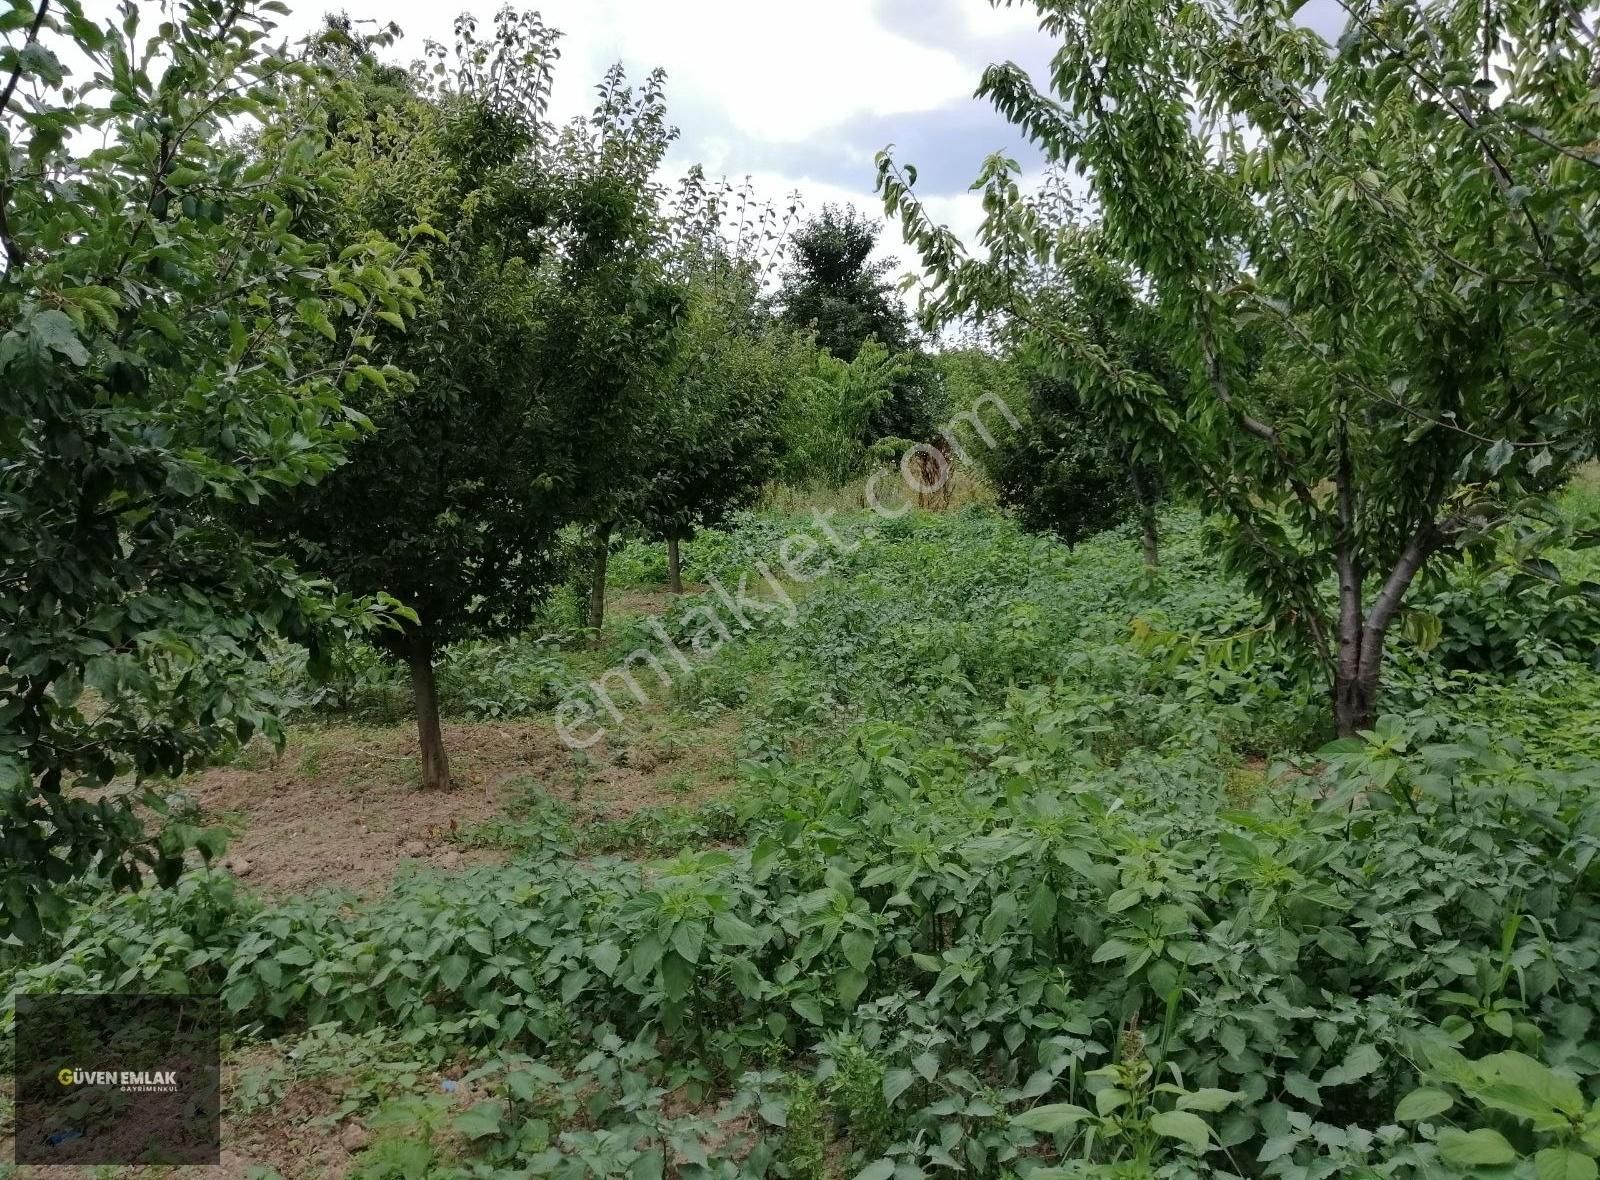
(118, 1079)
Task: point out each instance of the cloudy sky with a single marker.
(795, 96)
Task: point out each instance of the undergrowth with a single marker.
(1024, 876)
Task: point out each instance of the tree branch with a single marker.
(1416, 553)
(1219, 386)
(16, 74)
(13, 251)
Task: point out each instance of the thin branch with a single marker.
(16, 74)
(1219, 386)
(14, 256)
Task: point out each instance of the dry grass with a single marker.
(966, 486)
(341, 805)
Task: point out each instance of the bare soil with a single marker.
(341, 805)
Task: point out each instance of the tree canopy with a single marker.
(1371, 264)
(173, 347)
(716, 441)
(835, 288)
(531, 357)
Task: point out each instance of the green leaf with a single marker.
(453, 970)
(1113, 948)
(1472, 1149)
(240, 994)
(315, 316)
(735, 931)
(480, 1120)
(1360, 1061)
(858, 949)
(1052, 1119)
(1423, 1103)
(1529, 1085)
(687, 939)
(896, 1082)
(54, 329)
(1124, 899)
(1182, 1125)
(677, 976)
(849, 984)
(877, 1170)
(1561, 1163)
(1302, 1087)
(809, 1009)
(1209, 1099)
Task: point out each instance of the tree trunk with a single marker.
(1354, 703)
(435, 762)
(1147, 517)
(597, 587)
(1147, 529)
(674, 567)
(1362, 637)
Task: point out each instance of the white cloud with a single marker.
(778, 72)
(756, 84)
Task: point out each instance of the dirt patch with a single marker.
(621, 604)
(295, 1137)
(650, 764)
(341, 805)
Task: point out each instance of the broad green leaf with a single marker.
(1473, 1149)
(1052, 1119)
(858, 949)
(1423, 1103)
(1360, 1061)
(1210, 1100)
(453, 971)
(480, 1120)
(1561, 1163)
(1184, 1125)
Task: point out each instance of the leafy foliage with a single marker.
(715, 440)
(174, 346)
(835, 288)
(1061, 473)
(1366, 265)
(1025, 920)
(828, 416)
(545, 318)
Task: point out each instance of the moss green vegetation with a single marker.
(1021, 875)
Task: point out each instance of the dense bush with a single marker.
(1024, 904)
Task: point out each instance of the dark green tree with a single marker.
(542, 323)
(171, 347)
(717, 438)
(833, 287)
(1061, 472)
(1077, 467)
(628, 309)
(1371, 264)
